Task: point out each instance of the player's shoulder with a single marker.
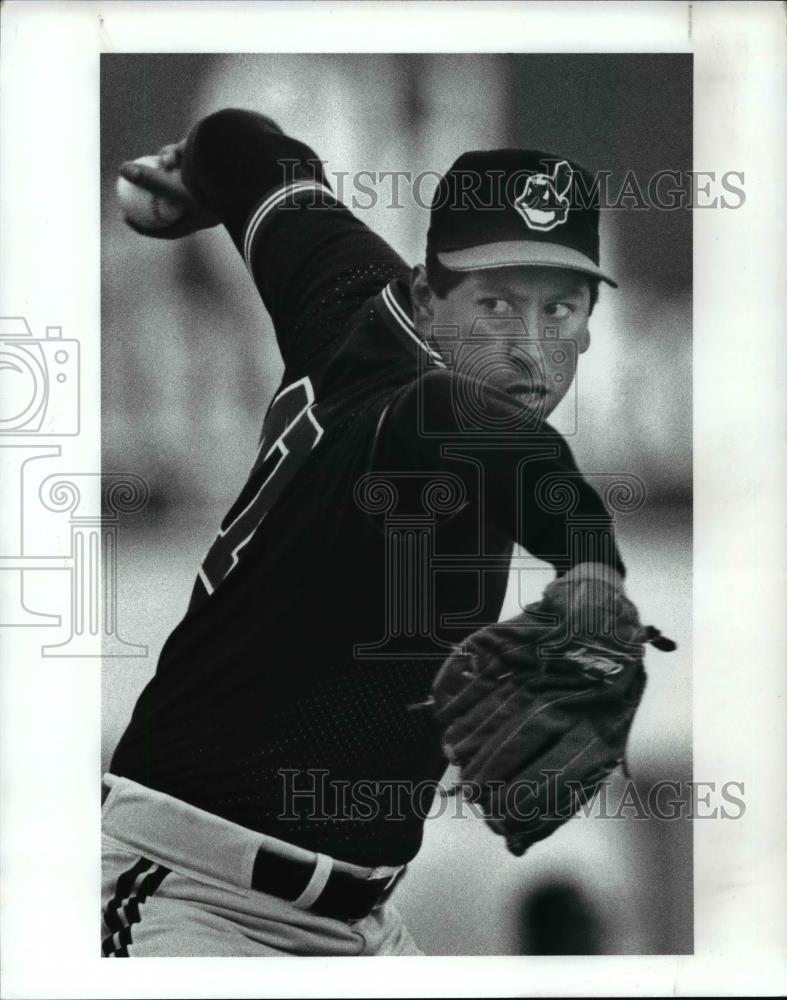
(366, 336)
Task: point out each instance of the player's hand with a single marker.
(166, 182)
(171, 155)
(535, 713)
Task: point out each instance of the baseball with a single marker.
(143, 208)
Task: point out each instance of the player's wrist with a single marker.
(595, 571)
(591, 606)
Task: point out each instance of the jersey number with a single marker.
(289, 433)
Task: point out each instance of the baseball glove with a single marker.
(536, 711)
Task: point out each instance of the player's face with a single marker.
(520, 329)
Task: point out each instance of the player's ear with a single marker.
(421, 295)
(583, 339)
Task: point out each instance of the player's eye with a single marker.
(495, 306)
(559, 310)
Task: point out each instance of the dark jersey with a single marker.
(374, 533)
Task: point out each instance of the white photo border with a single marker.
(49, 260)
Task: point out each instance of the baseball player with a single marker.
(262, 800)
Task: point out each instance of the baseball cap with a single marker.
(501, 207)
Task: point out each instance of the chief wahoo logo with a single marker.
(544, 202)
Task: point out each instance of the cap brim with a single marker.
(524, 253)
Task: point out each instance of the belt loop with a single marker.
(318, 881)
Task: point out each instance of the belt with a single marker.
(177, 834)
(320, 888)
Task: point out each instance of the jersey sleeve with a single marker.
(527, 483)
(313, 262)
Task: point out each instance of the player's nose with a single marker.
(529, 321)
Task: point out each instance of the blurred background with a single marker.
(189, 364)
